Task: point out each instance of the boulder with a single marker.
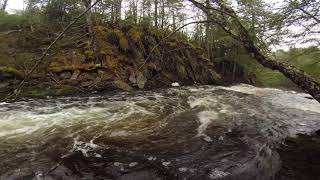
(75, 74)
(65, 75)
(87, 76)
(141, 80)
(132, 78)
(122, 85)
(105, 75)
(3, 85)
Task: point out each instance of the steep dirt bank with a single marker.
(131, 58)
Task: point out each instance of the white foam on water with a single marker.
(151, 158)
(201, 101)
(166, 163)
(133, 164)
(286, 99)
(205, 119)
(87, 148)
(249, 89)
(217, 174)
(183, 169)
(296, 101)
(119, 133)
(27, 120)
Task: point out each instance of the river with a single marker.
(200, 132)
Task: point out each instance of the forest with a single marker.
(160, 89)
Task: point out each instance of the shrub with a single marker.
(12, 21)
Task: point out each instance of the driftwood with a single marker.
(238, 31)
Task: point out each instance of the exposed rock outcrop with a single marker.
(136, 58)
(132, 58)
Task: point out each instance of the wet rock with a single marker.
(104, 75)
(86, 84)
(141, 80)
(132, 78)
(75, 74)
(72, 82)
(65, 75)
(87, 76)
(122, 85)
(300, 158)
(4, 85)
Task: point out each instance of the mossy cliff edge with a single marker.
(132, 58)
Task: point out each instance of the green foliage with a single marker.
(62, 10)
(12, 21)
(306, 59)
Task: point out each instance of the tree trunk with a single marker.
(118, 10)
(173, 18)
(162, 14)
(94, 42)
(4, 5)
(300, 78)
(156, 13)
(207, 30)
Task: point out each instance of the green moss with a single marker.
(135, 34)
(11, 70)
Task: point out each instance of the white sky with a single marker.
(14, 5)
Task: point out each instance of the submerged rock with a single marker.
(300, 158)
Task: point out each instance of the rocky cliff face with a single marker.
(131, 58)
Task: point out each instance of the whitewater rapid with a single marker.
(187, 132)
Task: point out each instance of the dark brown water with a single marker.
(182, 133)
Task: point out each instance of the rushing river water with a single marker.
(204, 132)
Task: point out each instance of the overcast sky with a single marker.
(14, 5)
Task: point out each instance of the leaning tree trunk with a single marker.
(300, 78)
(237, 31)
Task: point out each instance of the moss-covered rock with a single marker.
(10, 72)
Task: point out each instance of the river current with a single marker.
(200, 132)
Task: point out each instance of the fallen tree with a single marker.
(226, 18)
